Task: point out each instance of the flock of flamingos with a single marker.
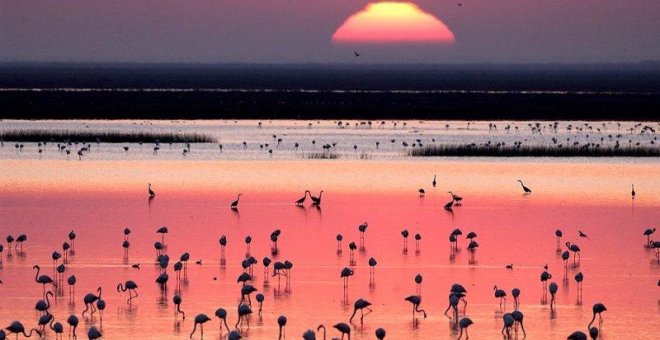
(512, 321)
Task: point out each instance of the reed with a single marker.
(586, 150)
(37, 135)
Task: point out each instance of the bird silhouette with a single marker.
(648, 232)
(583, 234)
(281, 322)
(518, 317)
(575, 249)
(360, 304)
(380, 334)
(130, 286)
(456, 198)
(151, 192)
(43, 279)
(434, 182)
(464, 324)
(632, 192)
(316, 201)
(234, 204)
(598, 308)
(343, 328)
(525, 189)
(176, 299)
(500, 294)
(72, 320)
(553, 290)
(421, 192)
(221, 314)
(200, 319)
(17, 328)
(416, 300)
(300, 202)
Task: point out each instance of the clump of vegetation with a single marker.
(518, 150)
(322, 155)
(36, 135)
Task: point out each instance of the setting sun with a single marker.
(393, 22)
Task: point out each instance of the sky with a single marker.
(301, 31)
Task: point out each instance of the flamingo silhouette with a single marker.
(281, 322)
(302, 200)
(518, 316)
(553, 290)
(43, 279)
(73, 324)
(200, 319)
(575, 249)
(151, 192)
(464, 324)
(234, 204)
(17, 328)
(525, 189)
(598, 308)
(221, 313)
(89, 300)
(316, 201)
(43, 306)
(130, 286)
(416, 300)
(360, 304)
(380, 334)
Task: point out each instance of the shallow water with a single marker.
(47, 198)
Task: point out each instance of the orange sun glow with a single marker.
(393, 22)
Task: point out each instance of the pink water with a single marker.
(97, 199)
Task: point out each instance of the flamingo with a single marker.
(525, 189)
(260, 298)
(518, 316)
(221, 314)
(416, 300)
(200, 319)
(581, 234)
(464, 324)
(418, 281)
(302, 200)
(151, 192)
(17, 327)
(130, 286)
(434, 182)
(360, 304)
(343, 328)
(339, 238)
(89, 300)
(449, 205)
(243, 312)
(73, 323)
(57, 328)
(593, 333)
(418, 239)
(177, 306)
(380, 334)
(405, 234)
(281, 322)
(553, 290)
(43, 306)
(372, 266)
(598, 308)
(456, 198)
(545, 276)
(72, 238)
(632, 192)
(500, 294)
(316, 200)
(234, 204)
(234, 335)
(578, 278)
(574, 248)
(42, 279)
(515, 292)
(162, 231)
(559, 234)
(19, 241)
(421, 191)
(648, 232)
(345, 274)
(362, 228)
(508, 323)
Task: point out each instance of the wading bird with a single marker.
(234, 204)
(151, 192)
(416, 300)
(130, 286)
(525, 189)
(200, 319)
(360, 304)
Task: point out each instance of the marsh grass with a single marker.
(36, 135)
(534, 151)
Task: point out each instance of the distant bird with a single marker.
(456, 198)
(316, 200)
(72, 320)
(43, 279)
(559, 234)
(632, 192)
(243, 311)
(593, 333)
(598, 308)
(93, 333)
(583, 234)
(43, 306)
(515, 292)
(553, 290)
(362, 228)
(151, 192)
(360, 304)
(130, 286)
(221, 314)
(281, 322)
(434, 182)
(421, 192)
(648, 232)
(380, 334)
(234, 204)
(405, 235)
(302, 200)
(525, 189)
(518, 316)
(356, 54)
(19, 241)
(508, 323)
(574, 248)
(176, 299)
(344, 329)
(509, 266)
(500, 294)
(545, 276)
(345, 274)
(200, 319)
(464, 324)
(449, 205)
(17, 328)
(162, 231)
(416, 300)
